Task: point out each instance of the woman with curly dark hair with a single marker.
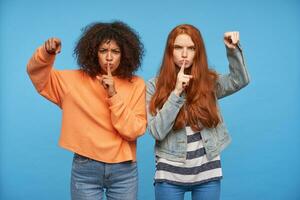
(103, 105)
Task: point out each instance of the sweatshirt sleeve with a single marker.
(47, 81)
(238, 76)
(161, 124)
(129, 119)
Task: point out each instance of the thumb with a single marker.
(58, 49)
(99, 78)
(57, 45)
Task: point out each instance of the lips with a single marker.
(185, 62)
(108, 65)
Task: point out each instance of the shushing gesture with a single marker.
(53, 46)
(231, 39)
(107, 82)
(182, 80)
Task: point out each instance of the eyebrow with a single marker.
(117, 48)
(178, 45)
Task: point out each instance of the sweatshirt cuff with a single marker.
(114, 100)
(45, 56)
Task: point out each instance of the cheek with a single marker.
(119, 59)
(100, 62)
(100, 59)
(192, 57)
(176, 57)
(116, 63)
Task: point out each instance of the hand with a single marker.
(108, 83)
(231, 39)
(182, 80)
(53, 46)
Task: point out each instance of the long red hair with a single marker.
(200, 109)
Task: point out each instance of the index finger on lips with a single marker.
(182, 67)
(108, 70)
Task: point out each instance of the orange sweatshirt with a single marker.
(93, 125)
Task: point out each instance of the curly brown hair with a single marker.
(132, 49)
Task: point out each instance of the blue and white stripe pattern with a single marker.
(196, 169)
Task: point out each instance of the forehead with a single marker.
(183, 39)
(109, 43)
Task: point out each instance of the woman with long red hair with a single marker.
(184, 117)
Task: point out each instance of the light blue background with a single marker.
(263, 161)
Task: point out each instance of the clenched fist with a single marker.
(231, 39)
(53, 46)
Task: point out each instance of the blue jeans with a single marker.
(204, 191)
(90, 178)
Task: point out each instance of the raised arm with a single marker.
(47, 81)
(238, 76)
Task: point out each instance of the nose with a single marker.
(109, 56)
(184, 53)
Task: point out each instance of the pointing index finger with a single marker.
(108, 70)
(182, 67)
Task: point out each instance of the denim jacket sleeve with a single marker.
(238, 76)
(161, 124)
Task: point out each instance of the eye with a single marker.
(177, 47)
(116, 51)
(102, 50)
(192, 48)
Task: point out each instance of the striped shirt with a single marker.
(195, 170)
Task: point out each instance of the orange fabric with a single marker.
(93, 125)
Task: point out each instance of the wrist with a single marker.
(45, 55)
(177, 92)
(111, 94)
(48, 52)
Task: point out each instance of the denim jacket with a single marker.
(172, 144)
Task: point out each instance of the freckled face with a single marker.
(184, 50)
